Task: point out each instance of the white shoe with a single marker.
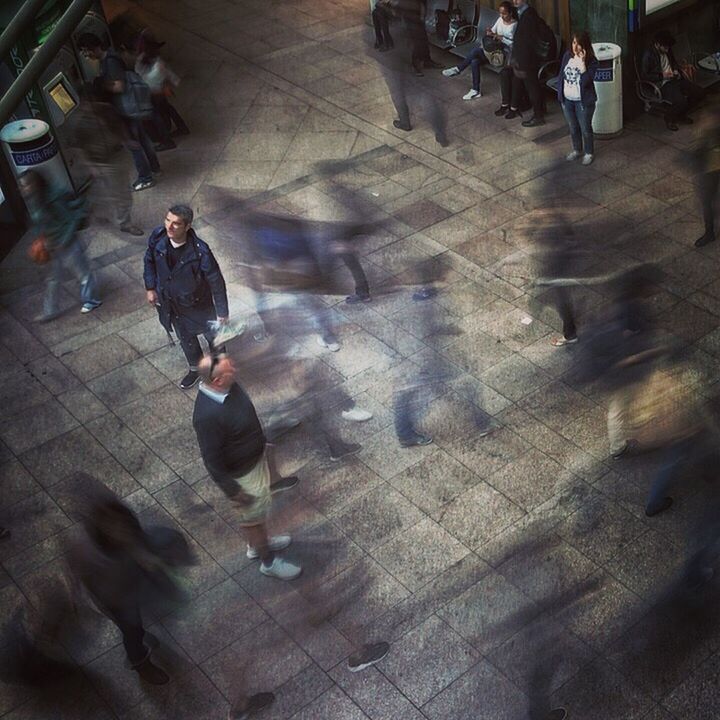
(357, 415)
(331, 345)
(587, 159)
(574, 155)
(275, 544)
(281, 569)
(472, 94)
(449, 72)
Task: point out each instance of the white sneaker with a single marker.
(331, 345)
(472, 95)
(574, 155)
(281, 569)
(357, 415)
(587, 159)
(275, 544)
(449, 72)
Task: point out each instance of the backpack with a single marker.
(135, 101)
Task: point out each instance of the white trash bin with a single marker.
(608, 118)
(30, 145)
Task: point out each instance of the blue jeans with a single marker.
(76, 260)
(475, 59)
(142, 150)
(579, 119)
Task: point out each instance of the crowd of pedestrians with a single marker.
(290, 265)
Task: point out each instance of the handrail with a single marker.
(23, 17)
(43, 57)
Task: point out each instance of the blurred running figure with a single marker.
(57, 219)
(237, 456)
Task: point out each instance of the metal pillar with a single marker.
(18, 25)
(43, 57)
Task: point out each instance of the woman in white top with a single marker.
(503, 31)
(577, 96)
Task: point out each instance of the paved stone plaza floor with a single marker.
(479, 559)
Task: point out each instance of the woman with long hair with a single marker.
(577, 96)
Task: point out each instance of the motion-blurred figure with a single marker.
(708, 159)
(129, 103)
(285, 261)
(124, 568)
(382, 15)
(236, 454)
(98, 134)
(57, 218)
(556, 255)
(162, 81)
(404, 90)
(184, 282)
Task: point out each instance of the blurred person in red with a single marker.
(57, 218)
(237, 456)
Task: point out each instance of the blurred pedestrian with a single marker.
(56, 219)
(162, 82)
(403, 88)
(708, 159)
(184, 282)
(530, 36)
(382, 14)
(97, 133)
(237, 456)
(131, 99)
(119, 566)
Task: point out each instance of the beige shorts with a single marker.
(257, 484)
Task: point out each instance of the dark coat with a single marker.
(527, 41)
(194, 290)
(651, 67)
(588, 96)
(230, 437)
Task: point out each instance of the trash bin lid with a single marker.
(22, 131)
(607, 51)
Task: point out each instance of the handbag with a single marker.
(494, 51)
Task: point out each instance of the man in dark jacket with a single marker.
(660, 67)
(234, 450)
(526, 58)
(183, 280)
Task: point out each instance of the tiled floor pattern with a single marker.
(503, 569)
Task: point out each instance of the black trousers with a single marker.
(415, 28)
(565, 310)
(512, 89)
(187, 332)
(534, 91)
(168, 114)
(359, 277)
(709, 185)
(381, 24)
(681, 94)
(129, 622)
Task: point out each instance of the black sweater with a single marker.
(230, 436)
